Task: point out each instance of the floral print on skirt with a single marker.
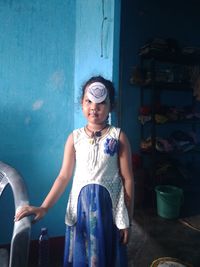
(94, 241)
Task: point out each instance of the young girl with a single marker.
(99, 210)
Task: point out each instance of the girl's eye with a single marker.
(87, 101)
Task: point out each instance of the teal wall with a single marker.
(48, 49)
(95, 49)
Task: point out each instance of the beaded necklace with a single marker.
(98, 133)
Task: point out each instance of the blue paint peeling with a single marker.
(36, 96)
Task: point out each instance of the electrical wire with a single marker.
(102, 26)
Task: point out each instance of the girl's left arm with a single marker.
(126, 170)
(125, 165)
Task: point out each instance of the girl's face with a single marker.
(95, 113)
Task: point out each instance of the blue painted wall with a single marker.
(142, 20)
(36, 97)
(47, 50)
(97, 26)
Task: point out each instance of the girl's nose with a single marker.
(94, 106)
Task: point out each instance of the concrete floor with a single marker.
(154, 237)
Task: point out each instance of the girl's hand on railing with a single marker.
(37, 212)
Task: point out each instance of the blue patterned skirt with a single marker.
(94, 241)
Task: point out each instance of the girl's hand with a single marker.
(38, 213)
(124, 236)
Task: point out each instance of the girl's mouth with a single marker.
(93, 114)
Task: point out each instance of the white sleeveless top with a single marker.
(97, 163)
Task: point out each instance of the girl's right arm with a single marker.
(58, 187)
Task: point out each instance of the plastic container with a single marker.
(43, 260)
(169, 200)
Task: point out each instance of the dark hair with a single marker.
(108, 84)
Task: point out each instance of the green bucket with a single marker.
(169, 200)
